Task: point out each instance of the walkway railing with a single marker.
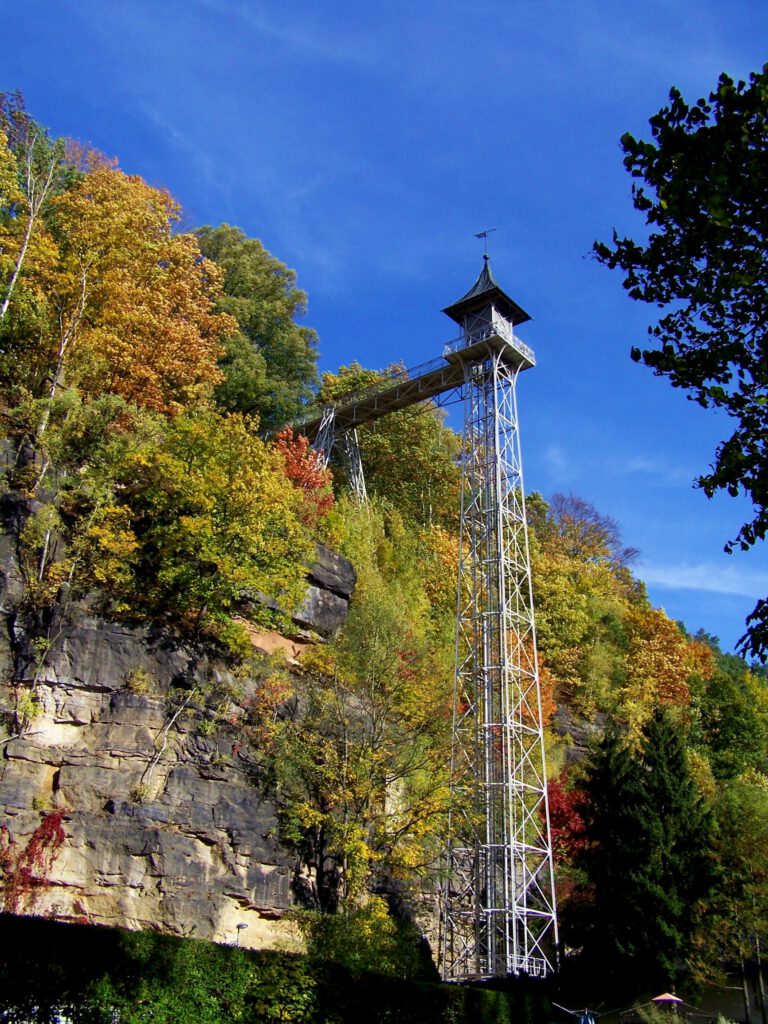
(395, 376)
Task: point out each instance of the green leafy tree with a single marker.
(702, 188)
(730, 717)
(358, 753)
(363, 938)
(735, 926)
(270, 365)
(647, 861)
(169, 981)
(214, 517)
(177, 520)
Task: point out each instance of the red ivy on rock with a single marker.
(25, 870)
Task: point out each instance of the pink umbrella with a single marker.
(666, 997)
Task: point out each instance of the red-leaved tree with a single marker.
(569, 834)
(304, 468)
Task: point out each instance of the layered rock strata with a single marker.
(166, 824)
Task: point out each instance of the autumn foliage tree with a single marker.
(111, 339)
(103, 294)
(137, 300)
(214, 519)
(658, 666)
(358, 752)
(567, 826)
(139, 368)
(304, 468)
(32, 172)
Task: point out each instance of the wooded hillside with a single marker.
(143, 372)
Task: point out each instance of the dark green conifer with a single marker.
(648, 862)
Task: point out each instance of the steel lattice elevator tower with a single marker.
(498, 913)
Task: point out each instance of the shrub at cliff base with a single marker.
(95, 975)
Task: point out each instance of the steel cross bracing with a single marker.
(498, 911)
(325, 439)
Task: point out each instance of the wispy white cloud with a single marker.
(561, 465)
(654, 472)
(715, 579)
(184, 143)
(659, 471)
(304, 35)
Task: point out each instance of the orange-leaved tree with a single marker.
(660, 662)
(133, 299)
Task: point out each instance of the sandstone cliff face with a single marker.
(166, 824)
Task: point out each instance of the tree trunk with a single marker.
(17, 269)
(37, 193)
(760, 982)
(744, 988)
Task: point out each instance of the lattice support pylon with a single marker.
(327, 436)
(498, 913)
(351, 450)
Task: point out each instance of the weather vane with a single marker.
(484, 236)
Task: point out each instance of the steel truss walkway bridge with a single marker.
(498, 913)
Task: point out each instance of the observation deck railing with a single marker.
(496, 329)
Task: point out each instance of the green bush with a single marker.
(107, 976)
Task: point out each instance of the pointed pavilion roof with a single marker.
(485, 290)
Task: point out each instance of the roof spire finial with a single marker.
(484, 235)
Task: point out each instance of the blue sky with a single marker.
(366, 143)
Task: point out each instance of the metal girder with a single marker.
(326, 433)
(402, 388)
(498, 913)
(327, 436)
(351, 450)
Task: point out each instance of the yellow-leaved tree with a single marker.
(358, 754)
(32, 172)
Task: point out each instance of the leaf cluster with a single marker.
(269, 364)
(702, 186)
